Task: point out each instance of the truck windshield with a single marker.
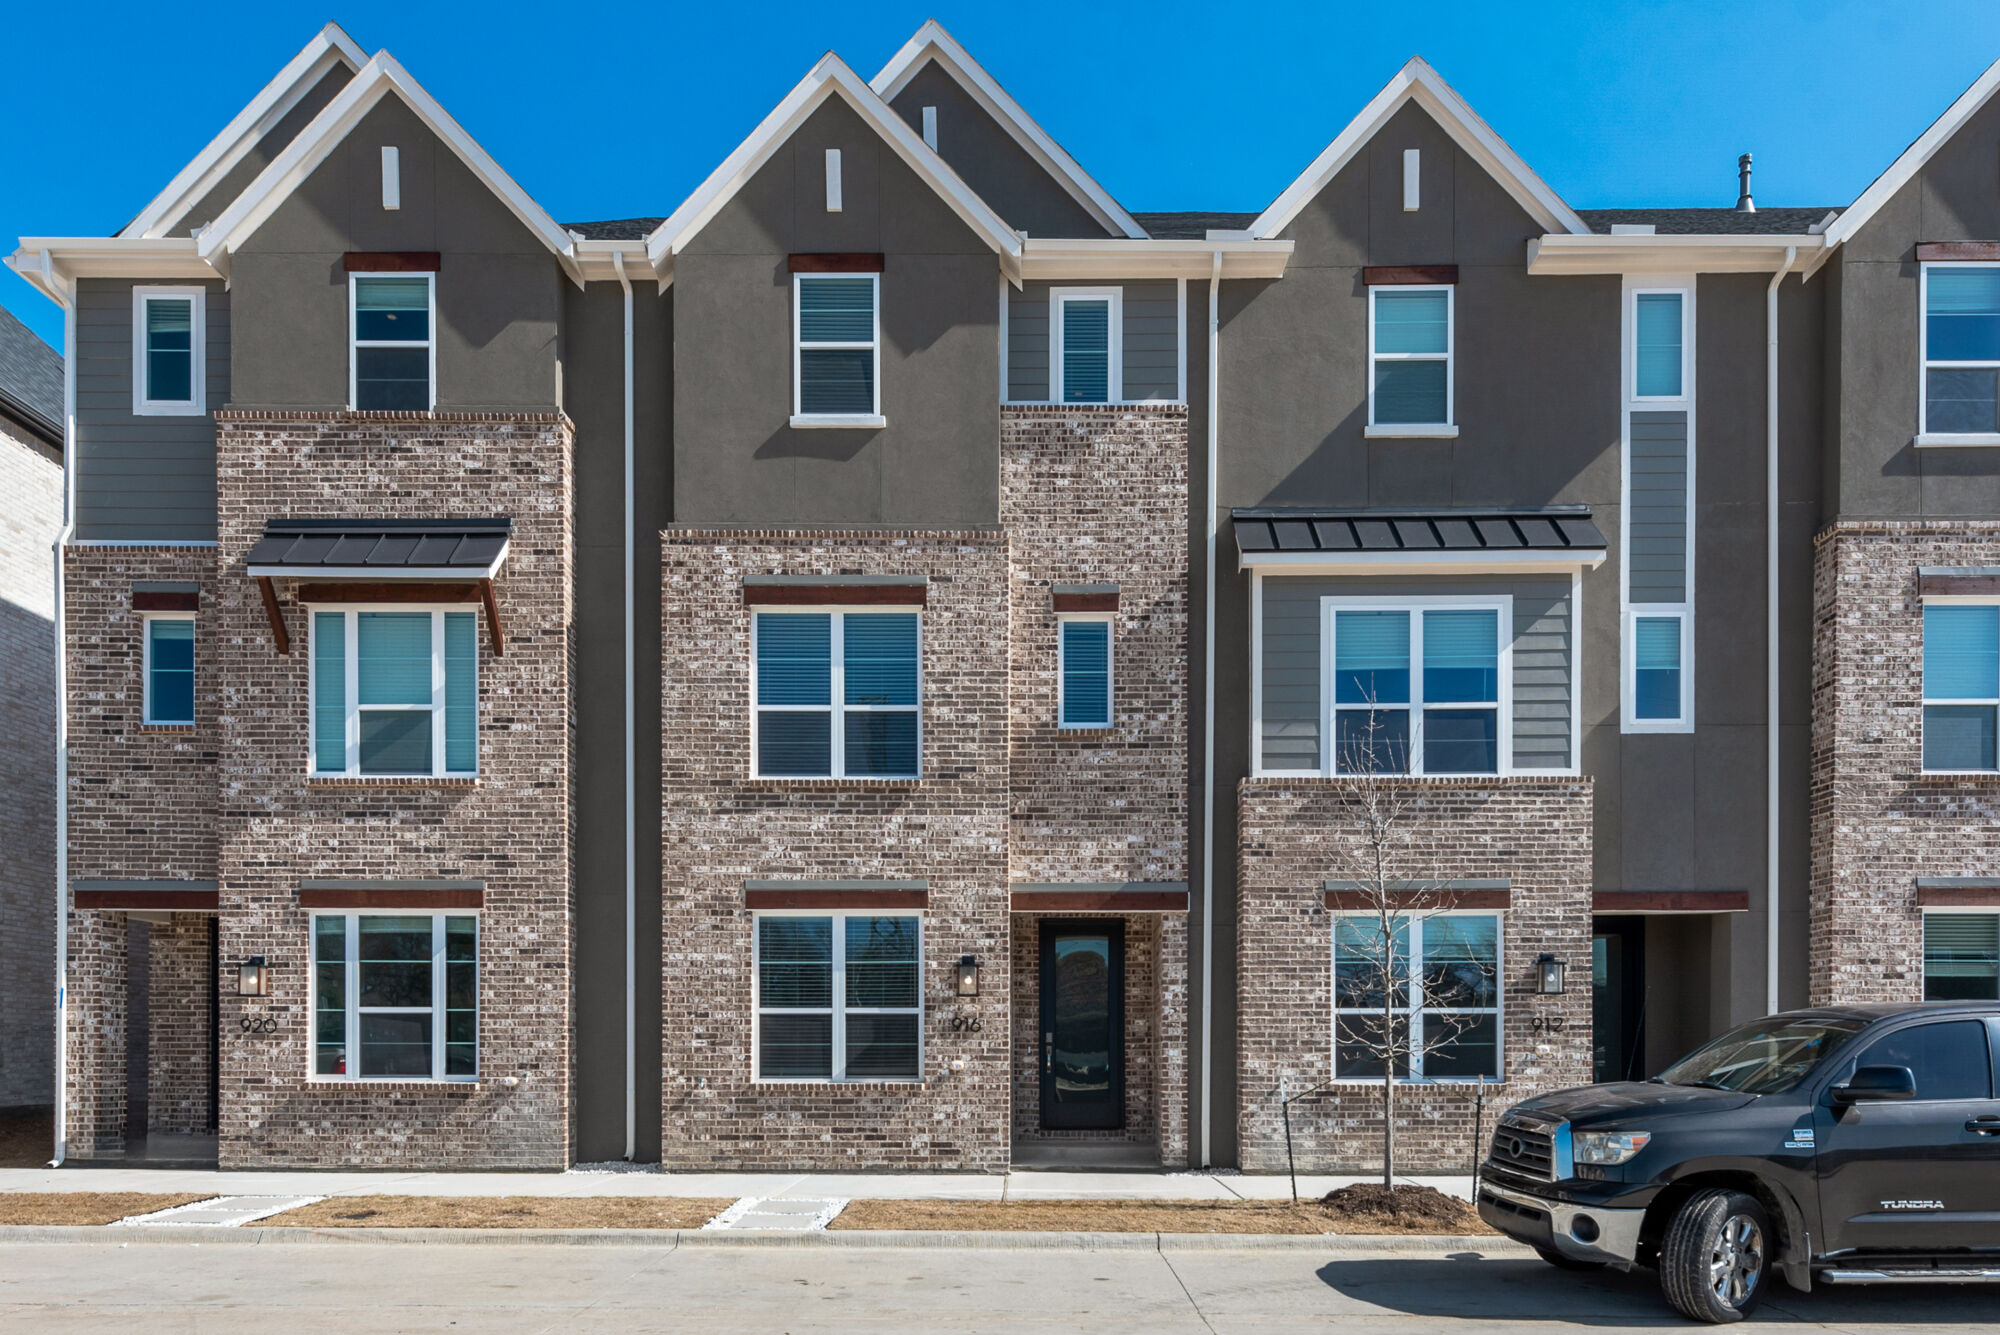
(1767, 1057)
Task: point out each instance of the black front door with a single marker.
(1617, 997)
(1083, 1024)
(1920, 1175)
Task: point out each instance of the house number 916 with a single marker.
(965, 1022)
(260, 1024)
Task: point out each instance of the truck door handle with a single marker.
(1987, 1125)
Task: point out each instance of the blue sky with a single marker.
(610, 110)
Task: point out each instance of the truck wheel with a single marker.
(1561, 1262)
(1717, 1256)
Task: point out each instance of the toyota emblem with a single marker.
(1515, 1147)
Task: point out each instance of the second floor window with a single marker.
(1410, 342)
(168, 356)
(1086, 326)
(391, 366)
(1961, 957)
(837, 695)
(1657, 342)
(169, 670)
(1961, 350)
(395, 693)
(1961, 686)
(1085, 670)
(1658, 685)
(835, 348)
(1416, 690)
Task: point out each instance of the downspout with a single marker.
(1208, 729)
(1771, 632)
(66, 298)
(631, 781)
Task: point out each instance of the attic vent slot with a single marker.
(930, 127)
(392, 178)
(833, 180)
(1411, 158)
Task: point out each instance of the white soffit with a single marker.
(290, 169)
(932, 42)
(1560, 253)
(830, 77)
(1418, 82)
(328, 48)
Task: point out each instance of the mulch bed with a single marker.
(502, 1212)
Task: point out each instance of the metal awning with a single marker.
(1490, 538)
(422, 549)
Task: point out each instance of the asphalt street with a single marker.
(380, 1288)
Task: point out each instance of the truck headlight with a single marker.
(1605, 1148)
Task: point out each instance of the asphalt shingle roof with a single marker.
(31, 376)
(1191, 226)
(1710, 222)
(616, 229)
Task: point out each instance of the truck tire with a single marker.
(1561, 1262)
(1716, 1259)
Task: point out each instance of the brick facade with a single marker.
(179, 1052)
(1880, 822)
(1536, 832)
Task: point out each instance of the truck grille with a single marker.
(1523, 1149)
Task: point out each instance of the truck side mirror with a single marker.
(1875, 1084)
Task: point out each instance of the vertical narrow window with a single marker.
(329, 705)
(834, 351)
(1371, 692)
(395, 997)
(1439, 976)
(392, 178)
(1442, 718)
(1656, 668)
(1657, 365)
(1410, 340)
(395, 693)
(1961, 686)
(1961, 957)
(1084, 668)
(839, 997)
(837, 695)
(1961, 350)
(168, 352)
(392, 362)
(169, 670)
(1088, 357)
(1461, 692)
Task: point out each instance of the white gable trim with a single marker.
(329, 47)
(831, 77)
(1418, 82)
(1912, 159)
(377, 79)
(932, 42)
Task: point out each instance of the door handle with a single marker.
(1048, 1052)
(1987, 1125)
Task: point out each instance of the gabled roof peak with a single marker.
(1912, 159)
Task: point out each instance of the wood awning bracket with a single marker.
(279, 636)
(493, 629)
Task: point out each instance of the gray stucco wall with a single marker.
(142, 477)
(1658, 541)
(210, 206)
(1149, 342)
(1294, 674)
(988, 159)
(736, 459)
(1877, 473)
(498, 291)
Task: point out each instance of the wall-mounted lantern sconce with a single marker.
(1548, 975)
(253, 978)
(968, 975)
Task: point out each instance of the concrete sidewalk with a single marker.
(1020, 1185)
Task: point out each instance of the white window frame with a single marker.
(1114, 378)
(1923, 959)
(1925, 436)
(872, 418)
(1110, 621)
(351, 651)
(352, 988)
(1924, 700)
(1448, 428)
(837, 998)
(1415, 605)
(1629, 668)
(146, 620)
(355, 343)
(1632, 295)
(837, 642)
(197, 406)
(1415, 1013)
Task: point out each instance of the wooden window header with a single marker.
(149, 896)
(836, 595)
(1670, 901)
(1409, 275)
(391, 261)
(1128, 897)
(160, 600)
(1958, 892)
(1424, 896)
(1928, 251)
(392, 894)
(1084, 597)
(851, 262)
(1967, 583)
(836, 894)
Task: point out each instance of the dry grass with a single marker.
(27, 1139)
(503, 1212)
(1307, 1217)
(84, 1207)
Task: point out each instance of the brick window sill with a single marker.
(1974, 778)
(772, 781)
(844, 1086)
(329, 1084)
(166, 729)
(388, 781)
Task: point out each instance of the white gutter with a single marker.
(1208, 729)
(631, 783)
(65, 296)
(1771, 632)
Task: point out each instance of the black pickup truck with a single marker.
(1851, 1144)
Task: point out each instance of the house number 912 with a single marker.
(1548, 1024)
(260, 1024)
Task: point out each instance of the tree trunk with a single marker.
(1388, 1092)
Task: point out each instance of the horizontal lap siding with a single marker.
(1658, 551)
(1151, 343)
(1544, 660)
(150, 478)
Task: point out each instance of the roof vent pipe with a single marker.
(1744, 204)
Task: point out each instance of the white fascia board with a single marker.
(329, 47)
(1912, 159)
(383, 574)
(595, 260)
(69, 258)
(1505, 562)
(932, 42)
(1601, 254)
(377, 79)
(830, 77)
(1418, 82)
(1055, 258)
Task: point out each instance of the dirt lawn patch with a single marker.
(503, 1212)
(27, 1139)
(85, 1207)
(1307, 1217)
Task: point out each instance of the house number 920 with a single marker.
(260, 1024)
